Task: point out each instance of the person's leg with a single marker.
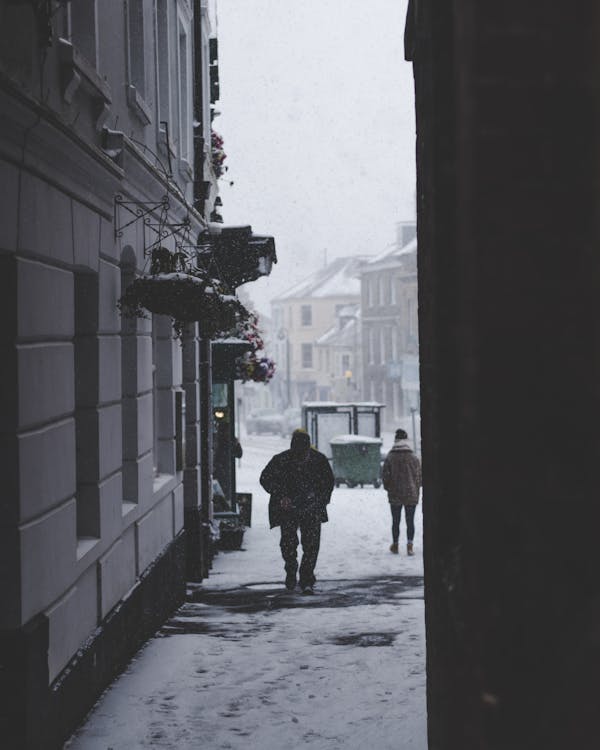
(396, 512)
(409, 511)
(310, 537)
(289, 551)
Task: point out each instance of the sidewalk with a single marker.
(244, 664)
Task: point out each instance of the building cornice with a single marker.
(34, 137)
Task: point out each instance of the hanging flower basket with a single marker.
(218, 155)
(186, 298)
(250, 366)
(255, 369)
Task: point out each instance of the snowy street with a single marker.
(245, 664)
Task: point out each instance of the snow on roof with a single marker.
(343, 334)
(394, 252)
(349, 311)
(338, 279)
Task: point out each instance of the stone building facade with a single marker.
(390, 328)
(106, 453)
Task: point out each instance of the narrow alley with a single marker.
(245, 664)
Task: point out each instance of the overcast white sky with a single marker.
(317, 114)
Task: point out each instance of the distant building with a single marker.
(390, 342)
(338, 355)
(301, 316)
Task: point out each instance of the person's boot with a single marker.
(394, 548)
(409, 549)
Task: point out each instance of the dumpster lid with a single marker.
(343, 439)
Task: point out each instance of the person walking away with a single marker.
(300, 482)
(402, 479)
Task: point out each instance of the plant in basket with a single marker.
(251, 366)
(184, 293)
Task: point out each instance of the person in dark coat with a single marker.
(401, 476)
(300, 483)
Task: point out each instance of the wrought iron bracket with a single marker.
(154, 216)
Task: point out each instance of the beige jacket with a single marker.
(401, 475)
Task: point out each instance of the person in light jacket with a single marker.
(300, 483)
(402, 479)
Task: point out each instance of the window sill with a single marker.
(161, 481)
(85, 544)
(138, 105)
(127, 507)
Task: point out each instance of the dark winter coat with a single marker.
(308, 483)
(401, 475)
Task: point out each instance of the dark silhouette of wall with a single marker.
(509, 276)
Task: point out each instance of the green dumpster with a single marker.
(356, 460)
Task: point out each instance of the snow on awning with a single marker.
(235, 253)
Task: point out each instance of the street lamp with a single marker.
(283, 334)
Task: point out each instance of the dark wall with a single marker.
(509, 275)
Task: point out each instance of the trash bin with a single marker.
(356, 460)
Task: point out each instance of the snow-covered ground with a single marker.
(246, 665)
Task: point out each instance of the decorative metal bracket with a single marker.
(156, 224)
(137, 209)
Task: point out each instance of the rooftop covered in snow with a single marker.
(338, 279)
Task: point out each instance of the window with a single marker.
(185, 93)
(307, 356)
(306, 315)
(370, 345)
(395, 334)
(382, 351)
(370, 283)
(345, 364)
(82, 25)
(393, 291)
(382, 290)
(135, 18)
(163, 56)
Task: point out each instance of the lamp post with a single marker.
(283, 334)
